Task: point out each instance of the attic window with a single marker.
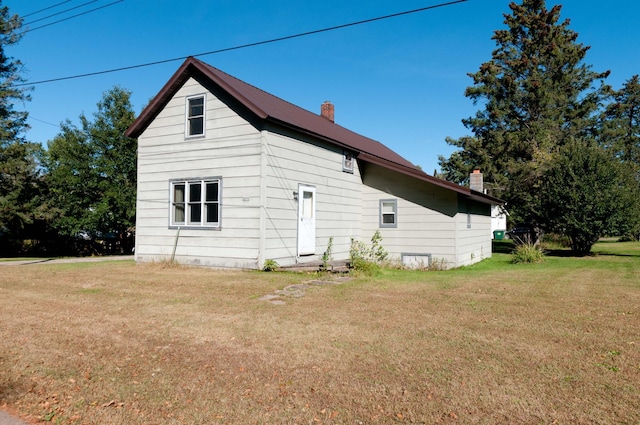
(347, 162)
(195, 116)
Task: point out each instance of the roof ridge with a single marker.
(257, 88)
(268, 107)
(317, 117)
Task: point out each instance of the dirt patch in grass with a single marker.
(151, 344)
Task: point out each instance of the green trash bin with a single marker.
(498, 234)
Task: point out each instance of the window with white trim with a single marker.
(347, 162)
(196, 203)
(195, 116)
(388, 213)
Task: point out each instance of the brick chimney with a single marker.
(475, 181)
(326, 110)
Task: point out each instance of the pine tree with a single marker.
(19, 180)
(537, 94)
(621, 137)
(621, 126)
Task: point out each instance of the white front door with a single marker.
(306, 220)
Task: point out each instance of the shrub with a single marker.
(527, 253)
(366, 267)
(365, 258)
(270, 266)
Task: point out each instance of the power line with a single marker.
(244, 46)
(45, 9)
(71, 17)
(60, 13)
(44, 122)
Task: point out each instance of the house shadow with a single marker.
(502, 246)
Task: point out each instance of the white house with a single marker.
(231, 176)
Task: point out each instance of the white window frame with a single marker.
(199, 206)
(189, 117)
(394, 203)
(348, 160)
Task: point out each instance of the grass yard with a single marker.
(495, 343)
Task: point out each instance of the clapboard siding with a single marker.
(261, 163)
(231, 150)
(473, 241)
(338, 197)
(425, 215)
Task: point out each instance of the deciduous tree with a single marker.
(92, 173)
(587, 194)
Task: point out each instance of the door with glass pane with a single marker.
(306, 220)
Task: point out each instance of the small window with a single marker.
(347, 162)
(195, 116)
(388, 213)
(195, 203)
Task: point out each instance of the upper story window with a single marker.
(196, 202)
(388, 213)
(195, 116)
(347, 162)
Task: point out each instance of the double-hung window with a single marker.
(196, 202)
(388, 213)
(195, 116)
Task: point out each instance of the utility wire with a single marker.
(45, 9)
(44, 122)
(244, 46)
(71, 17)
(60, 13)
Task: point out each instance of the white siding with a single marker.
(428, 220)
(260, 171)
(338, 198)
(473, 235)
(230, 150)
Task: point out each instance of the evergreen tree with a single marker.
(621, 136)
(19, 179)
(536, 93)
(621, 123)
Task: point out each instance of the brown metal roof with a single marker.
(269, 108)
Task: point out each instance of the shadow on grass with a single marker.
(564, 253)
(507, 246)
(614, 254)
(502, 246)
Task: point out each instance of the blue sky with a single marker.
(400, 81)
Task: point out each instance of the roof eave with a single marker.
(421, 175)
(159, 101)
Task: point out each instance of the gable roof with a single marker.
(271, 109)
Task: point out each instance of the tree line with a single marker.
(552, 139)
(77, 197)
